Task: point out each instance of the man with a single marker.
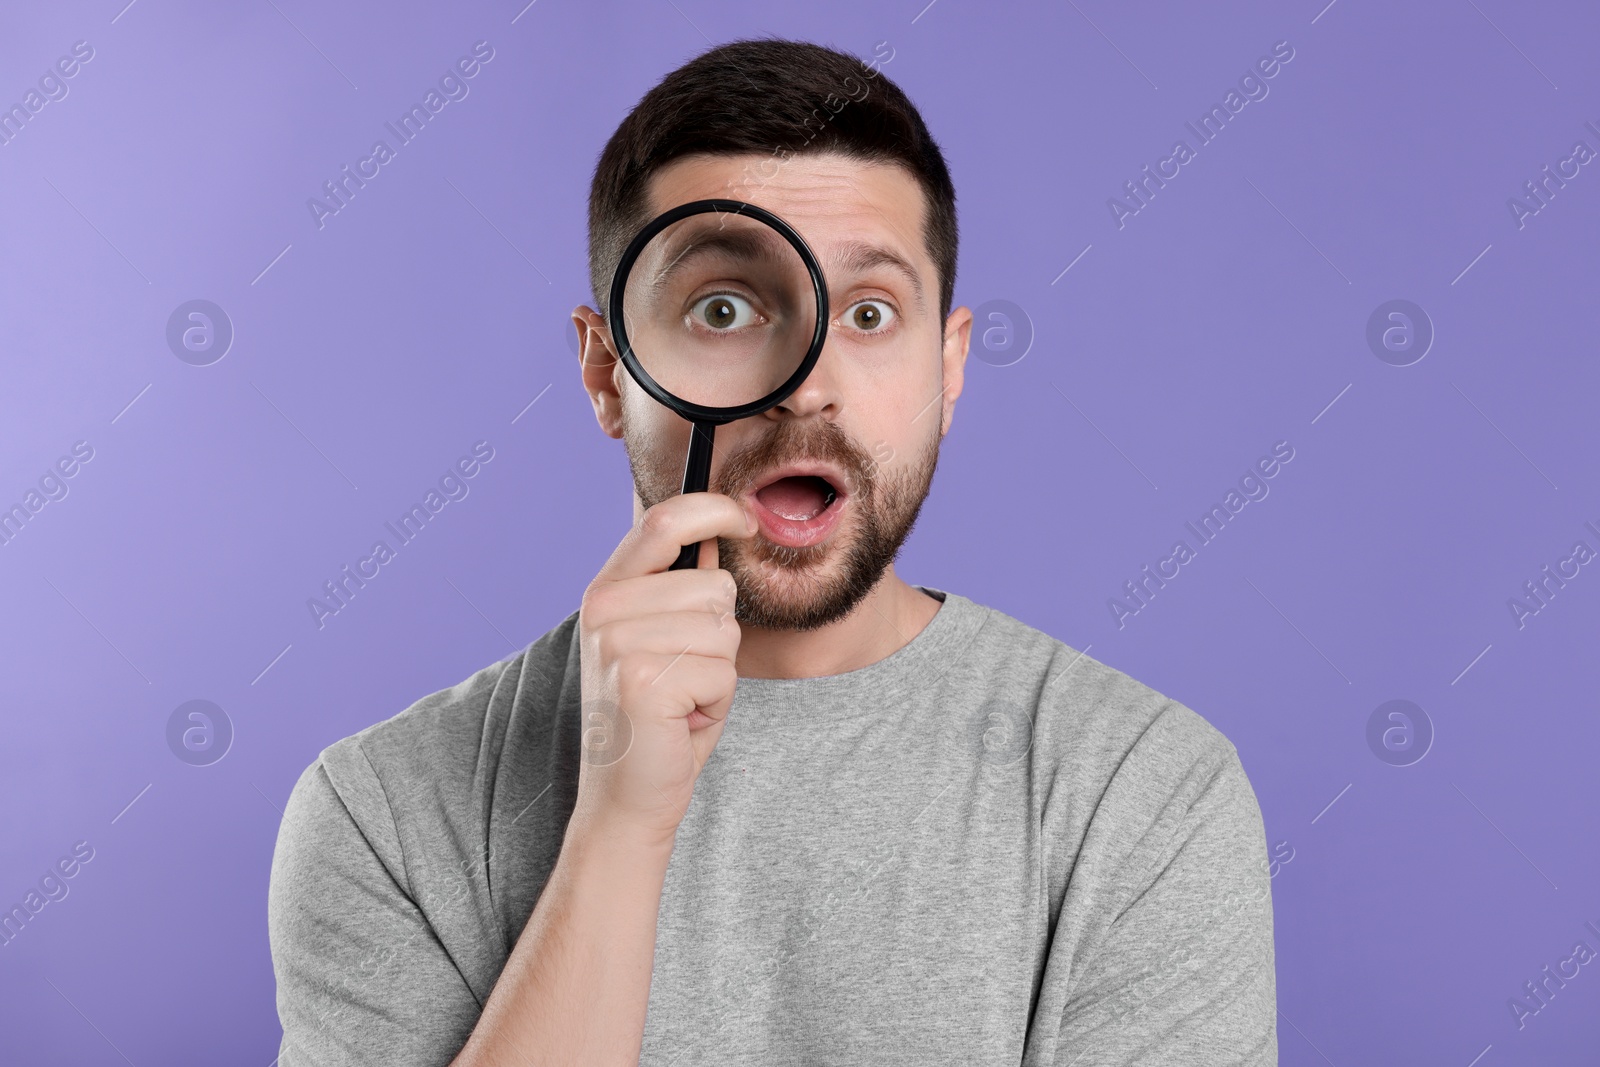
(785, 808)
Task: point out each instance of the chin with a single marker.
(783, 588)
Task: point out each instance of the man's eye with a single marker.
(723, 311)
(869, 315)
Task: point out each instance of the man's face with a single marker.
(868, 419)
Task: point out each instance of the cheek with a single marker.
(913, 397)
(651, 430)
(897, 374)
(894, 437)
(895, 404)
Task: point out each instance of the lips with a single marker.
(799, 504)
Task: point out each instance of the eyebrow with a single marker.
(854, 257)
(733, 243)
(859, 257)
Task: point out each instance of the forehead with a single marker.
(845, 209)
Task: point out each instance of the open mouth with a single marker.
(798, 498)
(799, 508)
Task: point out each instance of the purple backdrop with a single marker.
(1133, 361)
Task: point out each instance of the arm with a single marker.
(576, 986)
(363, 979)
(1185, 973)
(658, 677)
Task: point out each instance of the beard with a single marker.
(784, 588)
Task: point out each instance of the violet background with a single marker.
(1229, 314)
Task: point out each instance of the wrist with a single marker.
(613, 842)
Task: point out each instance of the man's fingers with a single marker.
(652, 545)
(687, 633)
(709, 590)
(662, 644)
(708, 681)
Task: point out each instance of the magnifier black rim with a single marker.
(688, 409)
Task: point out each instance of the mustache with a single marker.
(794, 442)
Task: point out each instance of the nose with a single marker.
(819, 394)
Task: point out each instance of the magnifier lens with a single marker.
(719, 309)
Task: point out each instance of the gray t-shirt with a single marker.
(985, 848)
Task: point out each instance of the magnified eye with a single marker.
(723, 311)
(870, 315)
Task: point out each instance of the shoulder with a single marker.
(433, 754)
(1120, 766)
(1100, 714)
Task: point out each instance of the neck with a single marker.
(884, 622)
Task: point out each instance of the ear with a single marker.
(600, 367)
(957, 335)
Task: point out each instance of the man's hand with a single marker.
(659, 645)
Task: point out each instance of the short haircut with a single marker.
(767, 96)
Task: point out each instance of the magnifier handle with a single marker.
(696, 477)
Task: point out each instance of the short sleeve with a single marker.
(1185, 973)
(362, 978)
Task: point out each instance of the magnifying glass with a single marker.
(718, 309)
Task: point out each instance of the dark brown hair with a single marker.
(772, 96)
